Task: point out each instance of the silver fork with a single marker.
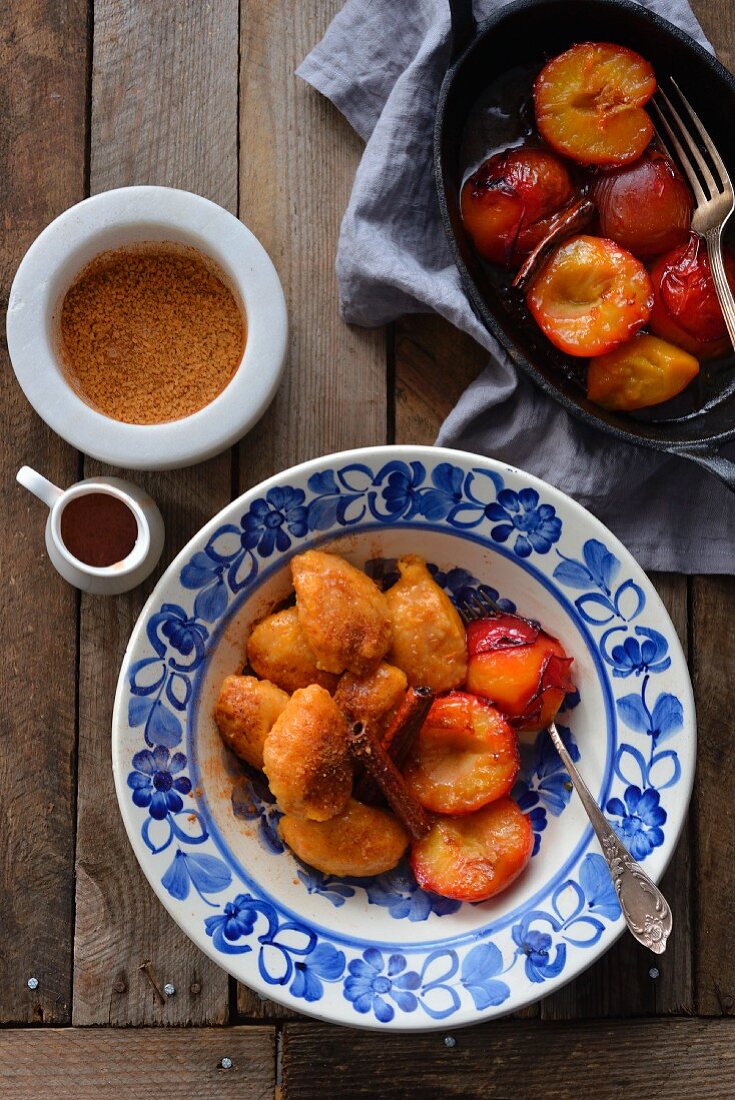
(644, 907)
(710, 182)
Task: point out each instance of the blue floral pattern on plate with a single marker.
(467, 976)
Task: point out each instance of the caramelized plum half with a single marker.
(519, 667)
(642, 372)
(473, 858)
(590, 296)
(465, 756)
(508, 202)
(645, 206)
(686, 310)
(589, 103)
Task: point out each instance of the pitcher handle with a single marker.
(39, 485)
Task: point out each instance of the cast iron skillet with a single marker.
(527, 33)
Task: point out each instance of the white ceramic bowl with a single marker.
(381, 952)
(121, 217)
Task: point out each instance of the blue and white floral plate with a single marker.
(380, 952)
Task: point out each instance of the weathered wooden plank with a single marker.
(713, 647)
(718, 22)
(43, 56)
(297, 163)
(434, 364)
(674, 1058)
(164, 111)
(628, 980)
(108, 1064)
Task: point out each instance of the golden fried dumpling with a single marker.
(306, 756)
(245, 712)
(343, 613)
(429, 641)
(278, 651)
(372, 699)
(361, 841)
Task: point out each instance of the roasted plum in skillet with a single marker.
(645, 206)
(641, 372)
(686, 310)
(589, 103)
(508, 202)
(590, 296)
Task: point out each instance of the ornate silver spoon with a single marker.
(644, 907)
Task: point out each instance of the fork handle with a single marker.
(644, 907)
(713, 238)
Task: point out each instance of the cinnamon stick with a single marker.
(399, 738)
(564, 224)
(368, 750)
(404, 729)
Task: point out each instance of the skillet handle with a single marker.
(717, 464)
(463, 26)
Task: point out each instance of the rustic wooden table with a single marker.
(201, 95)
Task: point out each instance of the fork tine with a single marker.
(708, 142)
(476, 606)
(682, 156)
(692, 146)
(490, 606)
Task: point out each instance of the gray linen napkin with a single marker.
(381, 63)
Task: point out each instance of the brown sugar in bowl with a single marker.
(202, 420)
(150, 332)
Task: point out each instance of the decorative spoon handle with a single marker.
(644, 907)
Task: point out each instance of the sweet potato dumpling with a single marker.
(361, 841)
(371, 699)
(343, 613)
(306, 756)
(245, 712)
(278, 651)
(428, 634)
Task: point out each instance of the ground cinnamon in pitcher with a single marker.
(150, 332)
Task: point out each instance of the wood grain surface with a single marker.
(297, 162)
(109, 1064)
(151, 61)
(608, 1060)
(43, 61)
(713, 664)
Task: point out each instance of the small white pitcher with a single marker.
(107, 580)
